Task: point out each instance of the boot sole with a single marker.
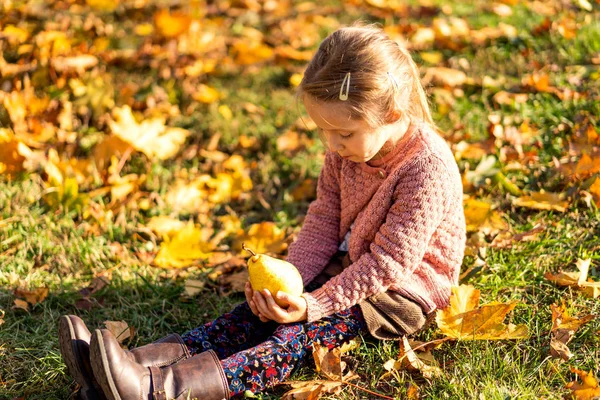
(68, 343)
(101, 367)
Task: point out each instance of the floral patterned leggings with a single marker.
(257, 355)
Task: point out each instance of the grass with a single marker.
(62, 250)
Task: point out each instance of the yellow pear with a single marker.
(273, 274)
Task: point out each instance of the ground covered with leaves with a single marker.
(142, 141)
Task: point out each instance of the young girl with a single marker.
(379, 249)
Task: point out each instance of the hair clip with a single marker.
(346, 81)
(394, 81)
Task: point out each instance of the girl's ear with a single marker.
(393, 116)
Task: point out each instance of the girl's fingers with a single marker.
(261, 304)
(275, 309)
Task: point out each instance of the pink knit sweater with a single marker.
(409, 227)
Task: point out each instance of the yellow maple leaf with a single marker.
(588, 389)
(480, 216)
(62, 188)
(542, 201)
(186, 247)
(264, 237)
(463, 319)
(151, 136)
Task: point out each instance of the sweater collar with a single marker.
(390, 159)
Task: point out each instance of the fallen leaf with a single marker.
(11, 161)
(171, 25)
(444, 77)
(412, 361)
(193, 286)
(506, 98)
(506, 241)
(120, 329)
(185, 248)
(97, 284)
(542, 201)
(237, 280)
(480, 216)
(578, 280)
(563, 329)
(464, 319)
(588, 389)
(306, 190)
(262, 238)
(151, 136)
(310, 390)
(21, 304)
(165, 226)
(34, 296)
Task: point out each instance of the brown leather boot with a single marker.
(200, 377)
(74, 340)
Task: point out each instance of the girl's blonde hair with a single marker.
(383, 76)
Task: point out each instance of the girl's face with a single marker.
(352, 139)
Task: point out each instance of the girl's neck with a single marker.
(398, 130)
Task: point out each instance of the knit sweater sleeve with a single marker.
(318, 239)
(399, 245)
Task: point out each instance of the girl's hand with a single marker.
(249, 294)
(295, 311)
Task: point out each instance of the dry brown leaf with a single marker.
(311, 390)
(505, 98)
(412, 361)
(237, 280)
(34, 296)
(306, 190)
(193, 286)
(1, 317)
(506, 241)
(563, 329)
(578, 280)
(21, 305)
(120, 329)
(444, 77)
(588, 389)
(464, 319)
(97, 284)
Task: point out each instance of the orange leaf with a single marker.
(171, 25)
(586, 390)
(34, 296)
